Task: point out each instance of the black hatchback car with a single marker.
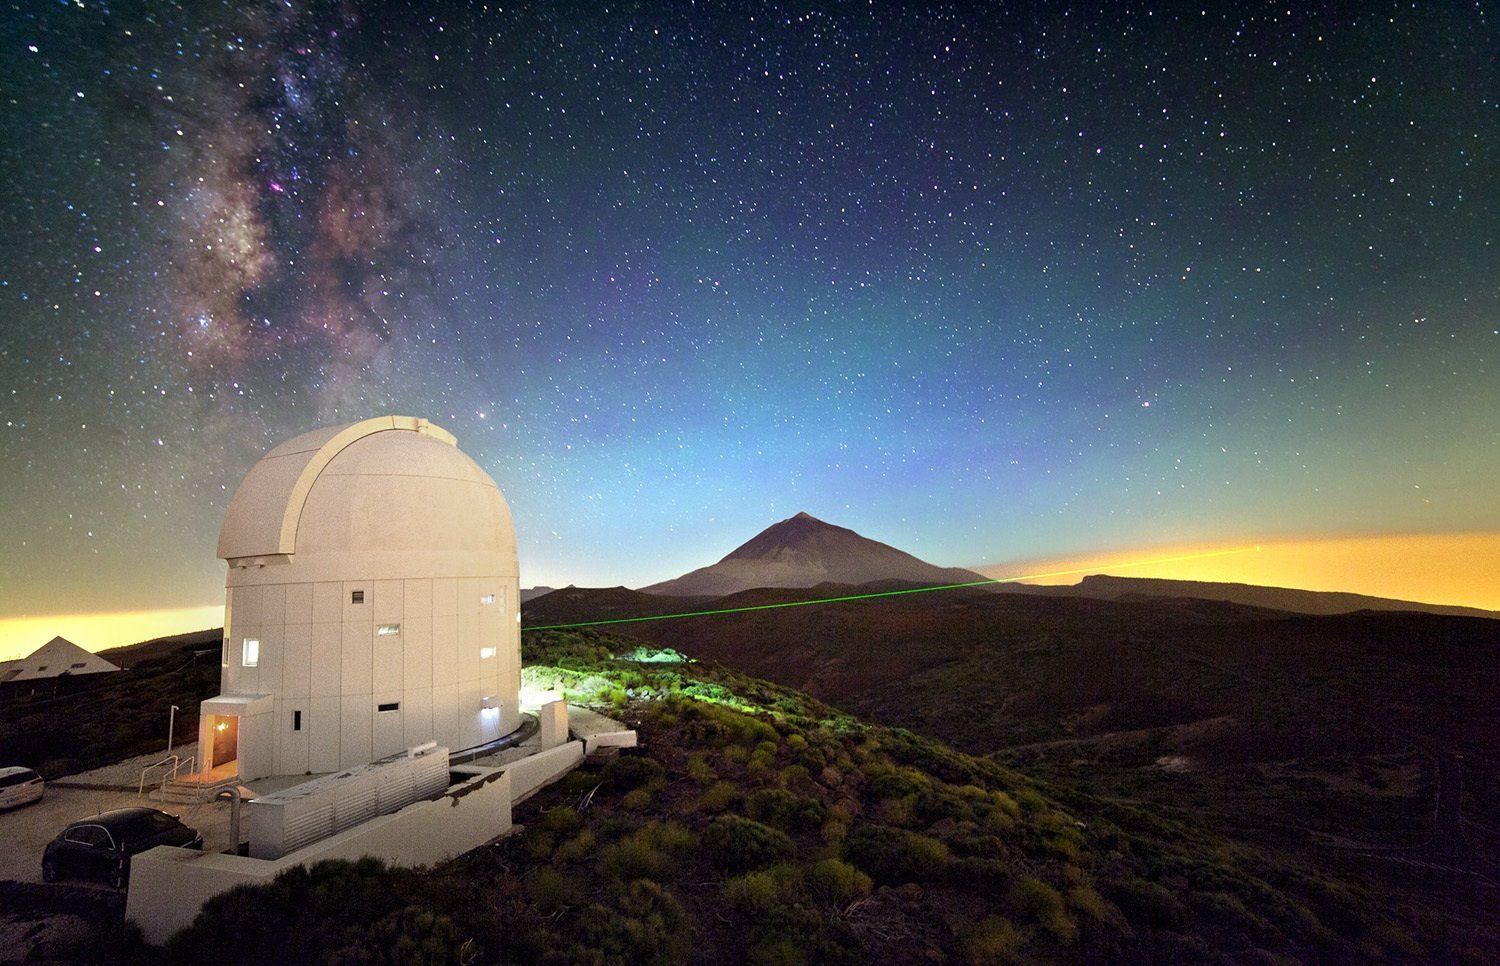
(100, 847)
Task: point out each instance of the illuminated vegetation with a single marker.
(758, 825)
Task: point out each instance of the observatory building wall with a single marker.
(371, 604)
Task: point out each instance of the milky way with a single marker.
(987, 282)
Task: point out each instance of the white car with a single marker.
(20, 786)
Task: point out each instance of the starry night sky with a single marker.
(987, 283)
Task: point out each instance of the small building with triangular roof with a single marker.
(57, 658)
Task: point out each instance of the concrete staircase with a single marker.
(192, 791)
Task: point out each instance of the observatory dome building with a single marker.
(371, 605)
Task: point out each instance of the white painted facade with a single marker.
(371, 604)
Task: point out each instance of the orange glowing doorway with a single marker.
(224, 747)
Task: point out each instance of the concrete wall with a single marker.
(168, 886)
(530, 774)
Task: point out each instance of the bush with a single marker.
(1043, 903)
(894, 855)
(649, 927)
(783, 809)
(698, 769)
(741, 844)
(632, 771)
(651, 853)
(561, 819)
(719, 796)
(836, 882)
(1086, 900)
(993, 941)
(550, 890)
(580, 846)
(303, 913)
(757, 893)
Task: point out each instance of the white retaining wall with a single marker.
(168, 886)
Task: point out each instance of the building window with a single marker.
(388, 630)
(393, 706)
(485, 653)
(250, 652)
(296, 720)
(356, 597)
(487, 599)
(78, 664)
(42, 667)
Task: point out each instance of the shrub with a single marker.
(632, 771)
(784, 809)
(303, 913)
(550, 890)
(1043, 903)
(757, 893)
(650, 926)
(719, 796)
(631, 858)
(1030, 800)
(650, 853)
(1086, 900)
(894, 855)
(580, 846)
(539, 843)
(1007, 804)
(992, 941)
(638, 799)
(561, 819)
(741, 844)
(410, 935)
(836, 882)
(698, 769)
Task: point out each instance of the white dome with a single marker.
(392, 497)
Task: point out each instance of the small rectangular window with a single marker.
(78, 664)
(356, 597)
(42, 667)
(487, 599)
(388, 630)
(485, 653)
(296, 720)
(250, 652)
(393, 706)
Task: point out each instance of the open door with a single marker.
(223, 758)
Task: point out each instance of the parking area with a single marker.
(25, 831)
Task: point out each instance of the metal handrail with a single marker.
(177, 763)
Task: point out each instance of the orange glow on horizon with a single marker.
(1450, 568)
(1457, 568)
(20, 636)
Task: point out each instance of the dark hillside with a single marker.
(759, 825)
(1323, 737)
(97, 719)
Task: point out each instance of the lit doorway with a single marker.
(224, 745)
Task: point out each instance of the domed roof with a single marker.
(387, 497)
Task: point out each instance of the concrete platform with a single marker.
(598, 732)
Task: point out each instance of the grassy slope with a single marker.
(1307, 733)
(757, 824)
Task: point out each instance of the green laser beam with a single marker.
(883, 593)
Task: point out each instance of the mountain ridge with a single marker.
(803, 551)
(1292, 600)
